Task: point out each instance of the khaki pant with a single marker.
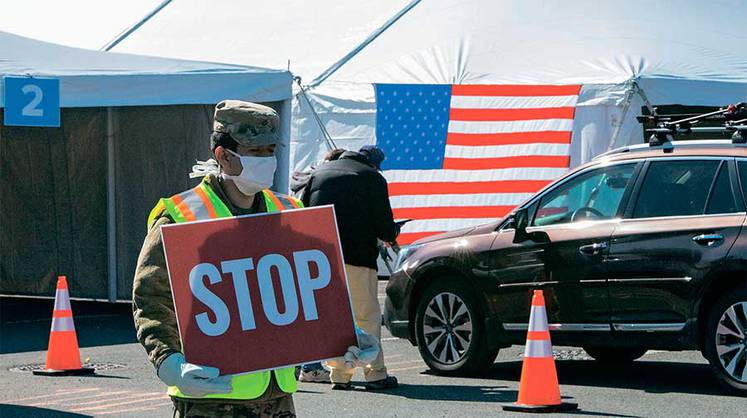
(364, 292)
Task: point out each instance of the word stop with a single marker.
(238, 269)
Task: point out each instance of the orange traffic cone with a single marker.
(538, 389)
(63, 357)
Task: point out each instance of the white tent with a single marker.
(78, 23)
(670, 52)
(131, 129)
(95, 79)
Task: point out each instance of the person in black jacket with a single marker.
(354, 185)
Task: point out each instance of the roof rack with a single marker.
(734, 118)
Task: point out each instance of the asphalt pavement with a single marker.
(661, 384)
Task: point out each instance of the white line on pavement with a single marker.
(96, 408)
(142, 408)
(56, 401)
(57, 393)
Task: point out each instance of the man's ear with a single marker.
(221, 156)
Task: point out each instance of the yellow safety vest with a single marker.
(201, 203)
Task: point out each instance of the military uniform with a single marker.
(153, 304)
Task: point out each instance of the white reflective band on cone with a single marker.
(538, 349)
(538, 319)
(62, 300)
(64, 323)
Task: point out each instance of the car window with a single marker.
(742, 168)
(722, 197)
(589, 196)
(675, 188)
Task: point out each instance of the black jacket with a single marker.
(361, 200)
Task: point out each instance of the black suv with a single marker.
(640, 249)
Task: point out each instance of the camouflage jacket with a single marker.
(153, 304)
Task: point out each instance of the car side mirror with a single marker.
(521, 221)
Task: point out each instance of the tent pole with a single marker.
(127, 32)
(375, 34)
(284, 158)
(327, 137)
(632, 88)
(111, 229)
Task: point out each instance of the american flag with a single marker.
(464, 155)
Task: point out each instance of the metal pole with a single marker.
(111, 211)
(283, 172)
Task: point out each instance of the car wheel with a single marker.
(615, 354)
(726, 340)
(450, 330)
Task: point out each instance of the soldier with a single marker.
(243, 143)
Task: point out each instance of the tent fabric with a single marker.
(698, 57)
(79, 23)
(678, 52)
(304, 37)
(98, 79)
(53, 217)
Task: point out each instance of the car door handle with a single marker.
(708, 239)
(593, 249)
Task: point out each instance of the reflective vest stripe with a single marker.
(272, 201)
(192, 206)
(157, 210)
(200, 192)
(183, 207)
(173, 211)
(281, 202)
(220, 208)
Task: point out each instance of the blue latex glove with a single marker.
(191, 379)
(366, 352)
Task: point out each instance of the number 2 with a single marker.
(31, 109)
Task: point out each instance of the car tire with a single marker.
(441, 339)
(615, 355)
(721, 333)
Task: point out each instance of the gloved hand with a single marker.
(366, 351)
(191, 379)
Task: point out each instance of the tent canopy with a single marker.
(305, 37)
(99, 79)
(469, 42)
(79, 23)
(678, 52)
(694, 46)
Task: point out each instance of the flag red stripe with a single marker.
(511, 114)
(502, 186)
(406, 238)
(513, 90)
(506, 162)
(509, 138)
(452, 212)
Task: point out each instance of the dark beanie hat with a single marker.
(374, 154)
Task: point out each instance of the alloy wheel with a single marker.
(731, 341)
(447, 328)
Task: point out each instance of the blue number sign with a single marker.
(32, 101)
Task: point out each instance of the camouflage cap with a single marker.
(248, 123)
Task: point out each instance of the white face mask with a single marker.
(257, 173)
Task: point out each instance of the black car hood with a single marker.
(474, 230)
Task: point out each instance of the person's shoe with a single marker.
(342, 386)
(389, 382)
(314, 376)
